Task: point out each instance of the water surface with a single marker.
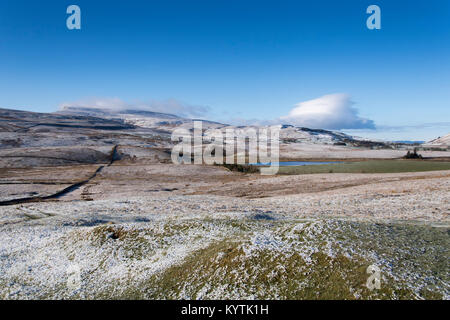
(295, 163)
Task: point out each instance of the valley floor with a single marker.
(199, 232)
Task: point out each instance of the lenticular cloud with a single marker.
(332, 111)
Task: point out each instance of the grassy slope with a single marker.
(300, 260)
(262, 256)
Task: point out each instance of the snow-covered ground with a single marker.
(131, 246)
(139, 226)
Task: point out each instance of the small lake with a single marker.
(295, 163)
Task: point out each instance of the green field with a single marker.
(369, 166)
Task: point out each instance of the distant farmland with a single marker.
(370, 166)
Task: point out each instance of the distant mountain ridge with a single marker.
(102, 112)
(88, 136)
(18, 120)
(160, 123)
(169, 122)
(136, 117)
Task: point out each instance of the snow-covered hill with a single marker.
(139, 118)
(441, 141)
(168, 122)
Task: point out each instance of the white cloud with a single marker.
(332, 111)
(171, 106)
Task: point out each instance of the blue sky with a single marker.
(240, 60)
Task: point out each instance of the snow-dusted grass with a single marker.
(180, 247)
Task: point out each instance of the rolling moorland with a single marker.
(96, 191)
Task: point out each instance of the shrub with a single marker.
(241, 168)
(412, 155)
